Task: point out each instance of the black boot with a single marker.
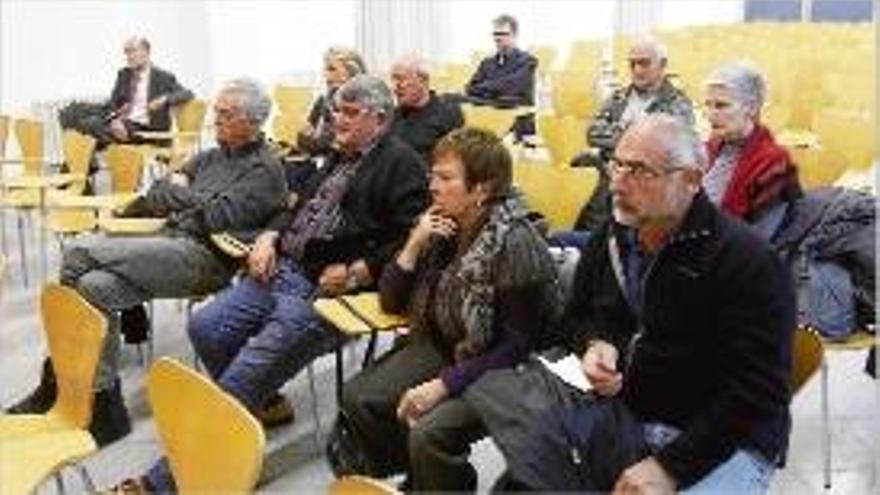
(135, 324)
(43, 397)
(110, 420)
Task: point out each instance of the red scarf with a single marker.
(763, 170)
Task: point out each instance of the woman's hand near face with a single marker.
(431, 223)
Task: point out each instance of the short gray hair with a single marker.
(744, 80)
(683, 147)
(656, 47)
(255, 100)
(369, 91)
(415, 64)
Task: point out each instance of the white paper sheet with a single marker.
(569, 370)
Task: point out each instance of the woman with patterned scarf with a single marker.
(480, 288)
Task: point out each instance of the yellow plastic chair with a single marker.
(78, 149)
(361, 485)
(193, 417)
(4, 134)
(806, 356)
(355, 316)
(126, 166)
(74, 332)
(497, 120)
(185, 139)
(26, 463)
(563, 135)
(558, 193)
(292, 104)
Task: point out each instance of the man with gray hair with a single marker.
(237, 187)
(649, 92)
(683, 319)
(348, 222)
(422, 117)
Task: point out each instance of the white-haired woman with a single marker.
(749, 173)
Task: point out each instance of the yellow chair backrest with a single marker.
(558, 193)
(126, 164)
(190, 116)
(78, 149)
(75, 333)
(497, 120)
(292, 104)
(29, 134)
(361, 485)
(563, 135)
(193, 417)
(574, 93)
(4, 134)
(807, 354)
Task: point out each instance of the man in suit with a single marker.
(143, 95)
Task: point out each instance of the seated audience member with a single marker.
(649, 91)
(256, 335)
(748, 173)
(235, 187)
(340, 65)
(507, 78)
(478, 284)
(142, 98)
(421, 117)
(684, 317)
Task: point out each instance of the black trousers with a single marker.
(435, 452)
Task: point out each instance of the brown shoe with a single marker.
(276, 412)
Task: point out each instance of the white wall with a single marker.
(57, 49)
(546, 22)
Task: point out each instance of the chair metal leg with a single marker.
(340, 342)
(826, 427)
(150, 329)
(3, 230)
(21, 250)
(59, 482)
(370, 351)
(310, 369)
(87, 480)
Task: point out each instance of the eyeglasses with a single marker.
(638, 170)
(501, 33)
(349, 112)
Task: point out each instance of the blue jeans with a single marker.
(746, 472)
(252, 338)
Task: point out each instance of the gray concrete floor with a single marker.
(295, 462)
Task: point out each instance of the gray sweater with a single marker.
(229, 190)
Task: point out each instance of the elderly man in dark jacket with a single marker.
(649, 91)
(237, 186)
(686, 316)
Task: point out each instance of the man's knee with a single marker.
(76, 260)
(201, 328)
